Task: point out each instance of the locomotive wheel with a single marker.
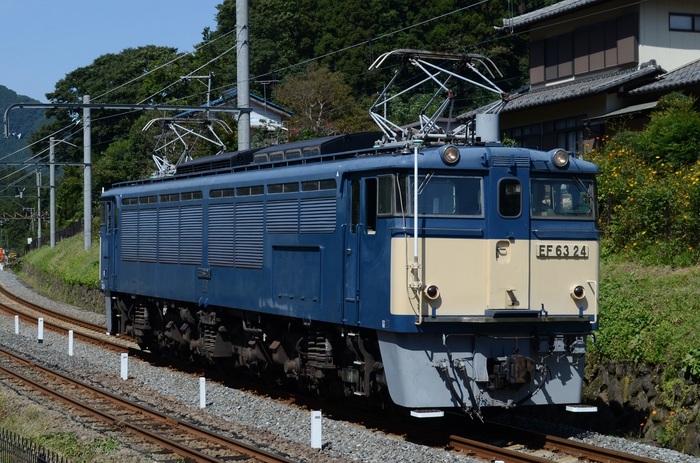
(148, 343)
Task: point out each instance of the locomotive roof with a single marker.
(304, 148)
(331, 156)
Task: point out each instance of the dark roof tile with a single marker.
(580, 87)
(552, 11)
(681, 77)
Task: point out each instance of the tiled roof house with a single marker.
(594, 63)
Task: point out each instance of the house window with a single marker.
(684, 22)
(591, 48)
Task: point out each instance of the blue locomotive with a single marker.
(431, 269)
(441, 275)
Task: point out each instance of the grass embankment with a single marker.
(66, 273)
(69, 262)
(651, 315)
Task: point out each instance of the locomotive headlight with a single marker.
(578, 292)
(560, 158)
(432, 292)
(450, 155)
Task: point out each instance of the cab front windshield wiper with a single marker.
(425, 181)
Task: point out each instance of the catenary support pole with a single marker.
(52, 194)
(243, 73)
(87, 177)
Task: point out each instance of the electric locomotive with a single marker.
(435, 274)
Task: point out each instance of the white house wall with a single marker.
(670, 49)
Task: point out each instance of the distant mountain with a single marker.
(23, 122)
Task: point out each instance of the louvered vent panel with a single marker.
(507, 161)
(191, 235)
(148, 237)
(168, 235)
(129, 235)
(318, 215)
(248, 235)
(220, 239)
(283, 216)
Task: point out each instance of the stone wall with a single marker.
(640, 401)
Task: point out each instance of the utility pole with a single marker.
(52, 194)
(243, 74)
(87, 176)
(38, 208)
(52, 189)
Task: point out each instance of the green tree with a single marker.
(673, 133)
(649, 190)
(322, 104)
(135, 75)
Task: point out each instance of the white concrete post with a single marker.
(125, 366)
(316, 429)
(40, 335)
(202, 393)
(16, 324)
(70, 343)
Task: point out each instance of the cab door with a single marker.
(508, 238)
(351, 252)
(360, 248)
(108, 246)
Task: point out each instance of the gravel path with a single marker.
(257, 420)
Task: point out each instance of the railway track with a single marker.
(29, 313)
(530, 446)
(524, 446)
(186, 440)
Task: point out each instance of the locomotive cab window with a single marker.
(557, 198)
(509, 198)
(106, 216)
(371, 205)
(442, 195)
(363, 206)
(385, 197)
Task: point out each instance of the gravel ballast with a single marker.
(243, 415)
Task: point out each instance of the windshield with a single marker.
(562, 198)
(442, 195)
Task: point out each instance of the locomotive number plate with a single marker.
(563, 251)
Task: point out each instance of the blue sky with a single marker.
(43, 40)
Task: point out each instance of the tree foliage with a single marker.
(321, 102)
(313, 55)
(649, 190)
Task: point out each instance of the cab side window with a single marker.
(509, 198)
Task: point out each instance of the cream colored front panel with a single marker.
(473, 275)
(509, 268)
(558, 267)
(456, 266)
